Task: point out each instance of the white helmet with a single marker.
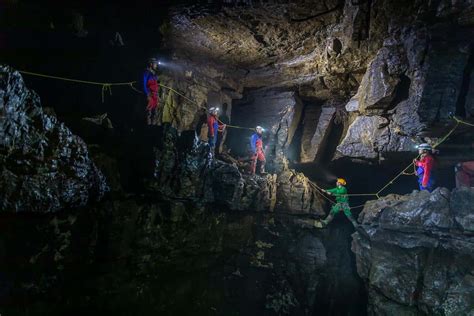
(425, 146)
(213, 109)
(259, 128)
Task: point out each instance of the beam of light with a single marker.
(170, 65)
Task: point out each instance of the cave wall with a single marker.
(394, 64)
(417, 255)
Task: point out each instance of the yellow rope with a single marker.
(77, 80)
(448, 134)
(462, 122)
(319, 190)
(107, 87)
(194, 102)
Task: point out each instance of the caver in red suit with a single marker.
(258, 153)
(151, 88)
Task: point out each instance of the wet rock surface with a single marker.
(44, 167)
(419, 254)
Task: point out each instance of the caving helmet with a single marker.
(153, 60)
(259, 128)
(425, 146)
(341, 181)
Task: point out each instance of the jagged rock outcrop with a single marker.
(192, 173)
(419, 253)
(44, 167)
(416, 68)
(365, 137)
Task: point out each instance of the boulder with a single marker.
(45, 168)
(416, 253)
(377, 89)
(365, 138)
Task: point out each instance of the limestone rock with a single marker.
(417, 252)
(295, 195)
(44, 168)
(462, 207)
(194, 175)
(309, 123)
(366, 137)
(319, 138)
(377, 89)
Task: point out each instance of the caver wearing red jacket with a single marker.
(213, 126)
(257, 148)
(151, 88)
(425, 168)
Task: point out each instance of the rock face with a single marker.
(44, 167)
(279, 112)
(389, 61)
(405, 83)
(314, 140)
(190, 173)
(419, 255)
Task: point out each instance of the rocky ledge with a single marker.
(419, 256)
